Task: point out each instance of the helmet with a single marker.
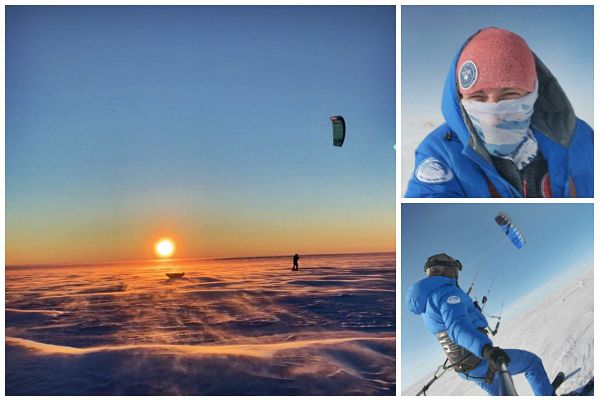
(442, 264)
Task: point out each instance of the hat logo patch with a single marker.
(467, 75)
(453, 300)
(432, 170)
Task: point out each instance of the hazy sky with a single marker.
(208, 124)
(561, 36)
(560, 243)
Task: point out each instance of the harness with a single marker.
(442, 370)
(461, 360)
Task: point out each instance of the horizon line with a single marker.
(159, 260)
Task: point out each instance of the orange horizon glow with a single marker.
(135, 238)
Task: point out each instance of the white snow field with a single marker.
(559, 329)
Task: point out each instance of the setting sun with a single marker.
(164, 248)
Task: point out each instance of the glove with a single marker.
(493, 355)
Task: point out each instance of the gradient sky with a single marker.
(561, 36)
(560, 245)
(207, 124)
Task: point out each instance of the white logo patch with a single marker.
(431, 170)
(453, 300)
(468, 74)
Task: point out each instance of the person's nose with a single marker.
(493, 98)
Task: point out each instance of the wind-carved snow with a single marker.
(228, 327)
(559, 329)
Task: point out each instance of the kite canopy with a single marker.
(510, 230)
(339, 130)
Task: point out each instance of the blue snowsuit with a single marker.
(452, 162)
(446, 307)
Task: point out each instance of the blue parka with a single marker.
(446, 307)
(452, 162)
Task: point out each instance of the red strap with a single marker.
(572, 190)
(545, 185)
(492, 188)
(546, 188)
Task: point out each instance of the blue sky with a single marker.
(561, 36)
(198, 120)
(559, 243)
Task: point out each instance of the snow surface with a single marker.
(559, 329)
(412, 135)
(229, 327)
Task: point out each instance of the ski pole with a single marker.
(507, 387)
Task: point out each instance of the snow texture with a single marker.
(228, 327)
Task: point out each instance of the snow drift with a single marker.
(229, 327)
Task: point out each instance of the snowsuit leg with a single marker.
(478, 376)
(531, 365)
(521, 362)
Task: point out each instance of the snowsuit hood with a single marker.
(419, 292)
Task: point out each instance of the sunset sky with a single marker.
(208, 125)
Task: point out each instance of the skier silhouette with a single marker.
(295, 266)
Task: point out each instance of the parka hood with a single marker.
(418, 293)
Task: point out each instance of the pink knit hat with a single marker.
(495, 58)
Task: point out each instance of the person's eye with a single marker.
(511, 95)
(477, 98)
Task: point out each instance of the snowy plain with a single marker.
(228, 327)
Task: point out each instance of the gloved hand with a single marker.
(493, 354)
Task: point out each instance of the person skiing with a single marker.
(510, 129)
(295, 259)
(460, 327)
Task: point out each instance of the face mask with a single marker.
(503, 127)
